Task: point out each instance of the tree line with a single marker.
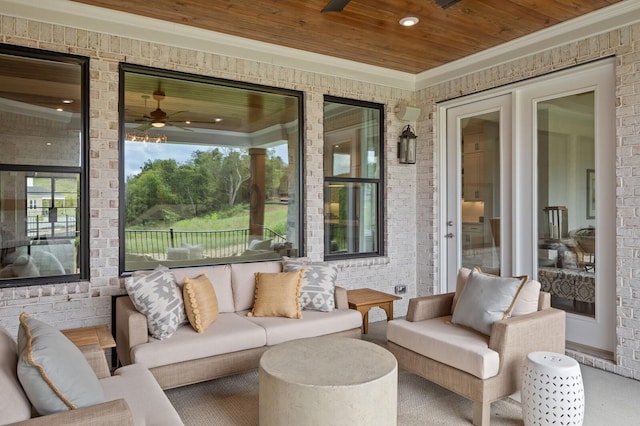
(210, 181)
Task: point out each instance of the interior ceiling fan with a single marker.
(157, 117)
(338, 5)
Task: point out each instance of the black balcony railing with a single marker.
(215, 244)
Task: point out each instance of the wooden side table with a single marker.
(92, 335)
(93, 341)
(363, 299)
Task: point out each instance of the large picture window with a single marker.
(43, 161)
(210, 170)
(352, 178)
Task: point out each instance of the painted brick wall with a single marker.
(624, 44)
(86, 303)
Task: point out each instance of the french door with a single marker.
(530, 189)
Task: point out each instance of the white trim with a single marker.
(106, 21)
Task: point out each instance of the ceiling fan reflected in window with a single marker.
(338, 5)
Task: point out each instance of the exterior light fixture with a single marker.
(409, 21)
(407, 146)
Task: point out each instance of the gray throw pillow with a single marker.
(486, 299)
(53, 372)
(318, 284)
(157, 296)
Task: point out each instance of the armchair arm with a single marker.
(514, 338)
(340, 295)
(131, 329)
(428, 307)
(106, 413)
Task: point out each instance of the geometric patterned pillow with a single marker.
(157, 296)
(318, 284)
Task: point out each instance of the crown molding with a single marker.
(107, 21)
(600, 21)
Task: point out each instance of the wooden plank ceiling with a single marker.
(368, 31)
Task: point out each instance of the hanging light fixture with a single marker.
(145, 137)
(407, 146)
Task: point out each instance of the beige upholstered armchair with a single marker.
(482, 368)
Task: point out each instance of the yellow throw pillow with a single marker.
(277, 294)
(200, 302)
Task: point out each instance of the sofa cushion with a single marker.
(277, 295)
(53, 372)
(200, 302)
(156, 295)
(14, 404)
(146, 400)
(441, 341)
(220, 277)
(229, 333)
(486, 299)
(313, 323)
(243, 281)
(318, 284)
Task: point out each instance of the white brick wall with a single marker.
(75, 305)
(411, 234)
(624, 43)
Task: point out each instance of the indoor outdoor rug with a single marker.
(234, 401)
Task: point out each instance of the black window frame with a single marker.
(82, 170)
(380, 211)
(172, 74)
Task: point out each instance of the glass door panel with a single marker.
(480, 191)
(566, 201)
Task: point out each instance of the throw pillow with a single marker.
(463, 276)
(200, 302)
(277, 295)
(53, 372)
(157, 296)
(527, 300)
(485, 299)
(318, 284)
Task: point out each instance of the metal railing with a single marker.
(216, 244)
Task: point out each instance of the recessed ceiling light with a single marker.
(67, 101)
(59, 109)
(187, 122)
(217, 120)
(409, 21)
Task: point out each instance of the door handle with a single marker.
(449, 235)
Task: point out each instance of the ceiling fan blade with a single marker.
(335, 6)
(178, 127)
(144, 127)
(446, 3)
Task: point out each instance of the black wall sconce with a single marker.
(407, 146)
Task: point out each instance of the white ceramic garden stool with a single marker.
(552, 390)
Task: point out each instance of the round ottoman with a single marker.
(328, 381)
(552, 390)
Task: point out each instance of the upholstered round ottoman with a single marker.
(328, 381)
(552, 390)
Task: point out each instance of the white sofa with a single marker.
(131, 395)
(234, 342)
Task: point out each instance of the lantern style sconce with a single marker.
(407, 146)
